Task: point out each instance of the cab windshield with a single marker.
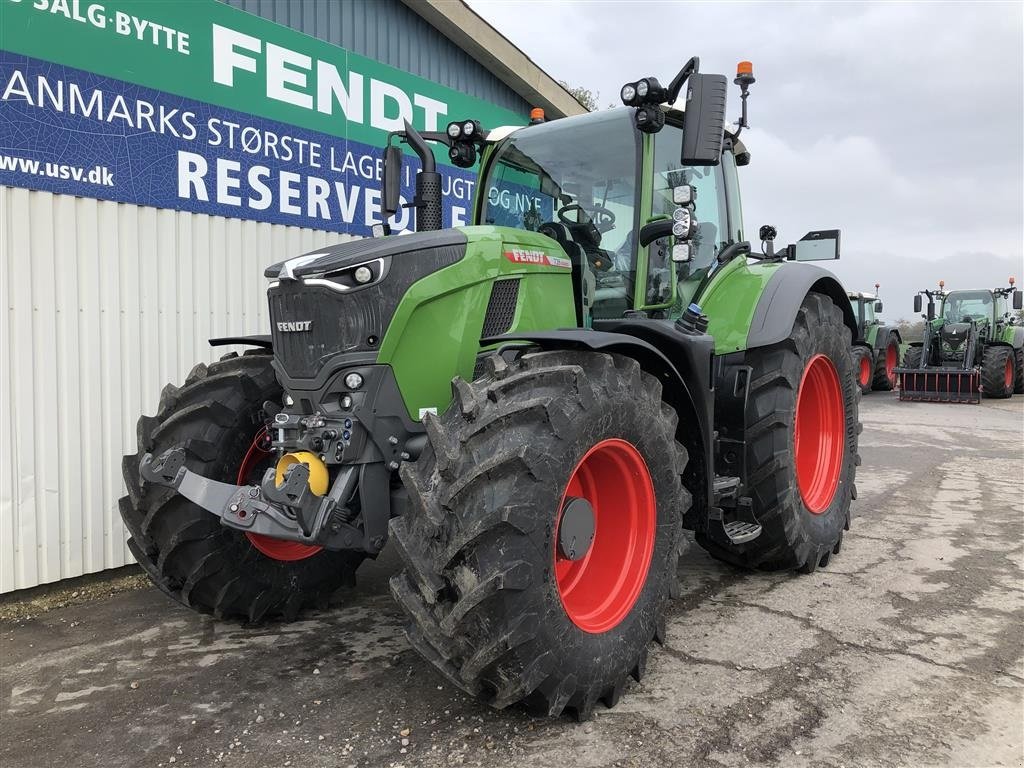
(575, 181)
(963, 306)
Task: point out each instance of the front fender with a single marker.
(781, 299)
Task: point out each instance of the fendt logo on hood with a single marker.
(295, 326)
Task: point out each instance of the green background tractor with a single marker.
(876, 347)
(531, 408)
(973, 346)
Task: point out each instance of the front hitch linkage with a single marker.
(288, 511)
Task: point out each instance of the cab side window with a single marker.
(710, 207)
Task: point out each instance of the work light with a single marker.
(353, 381)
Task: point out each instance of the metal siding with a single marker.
(105, 304)
(391, 33)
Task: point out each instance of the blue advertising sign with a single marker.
(73, 132)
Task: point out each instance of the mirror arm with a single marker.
(654, 230)
(689, 68)
(733, 250)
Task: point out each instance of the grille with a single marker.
(338, 323)
(501, 309)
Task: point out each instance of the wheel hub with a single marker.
(605, 539)
(576, 529)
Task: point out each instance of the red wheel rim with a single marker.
(277, 549)
(865, 371)
(891, 356)
(599, 590)
(818, 434)
(1009, 372)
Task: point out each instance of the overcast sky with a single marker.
(900, 124)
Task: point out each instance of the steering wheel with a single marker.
(602, 218)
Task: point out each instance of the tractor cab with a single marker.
(546, 178)
(968, 306)
(642, 200)
(866, 307)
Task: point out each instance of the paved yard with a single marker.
(906, 650)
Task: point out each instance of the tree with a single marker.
(584, 96)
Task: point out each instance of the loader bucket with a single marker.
(940, 385)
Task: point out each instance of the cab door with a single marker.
(711, 210)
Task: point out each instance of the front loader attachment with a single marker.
(940, 385)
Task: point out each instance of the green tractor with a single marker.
(531, 408)
(974, 346)
(876, 348)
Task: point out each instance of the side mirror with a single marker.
(704, 119)
(820, 245)
(1017, 296)
(391, 183)
(917, 304)
(878, 306)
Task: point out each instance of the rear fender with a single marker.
(883, 335)
(682, 365)
(781, 299)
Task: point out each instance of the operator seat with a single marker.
(582, 277)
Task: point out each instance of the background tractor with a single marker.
(531, 408)
(974, 346)
(876, 347)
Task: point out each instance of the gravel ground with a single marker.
(906, 650)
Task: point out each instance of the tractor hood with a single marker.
(955, 334)
(334, 258)
(341, 298)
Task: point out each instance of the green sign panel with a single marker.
(201, 107)
(208, 51)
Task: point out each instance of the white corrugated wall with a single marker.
(104, 304)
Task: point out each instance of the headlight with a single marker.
(454, 130)
(353, 381)
(468, 129)
(363, 275)
(641, 88)
(628, 94)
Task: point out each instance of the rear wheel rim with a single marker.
(865, 371)
(276, 549)
(891, 356)
(599, 590)
(1009, 372)
(819, 434)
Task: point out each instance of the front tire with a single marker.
(912, 357)
(862, 368)
(494, 600)
(885, 364)
(188, 554)
(997, 372)
(801, 432)
(1018, 362)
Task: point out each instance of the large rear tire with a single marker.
(885, 363)
(495, 602)
(997, 372)
(1018, 362)
(215, 417)
(801, 429)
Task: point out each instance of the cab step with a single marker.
(740, 531)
